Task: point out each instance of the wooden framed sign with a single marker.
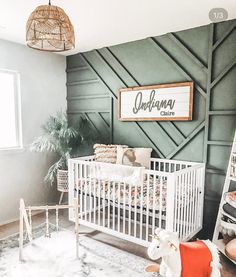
(173, 102)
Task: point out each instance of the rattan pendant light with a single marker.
(49, 29)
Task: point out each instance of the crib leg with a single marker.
(61, 197)
(76, 227)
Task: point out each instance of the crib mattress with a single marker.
(143, 196)
(150, 195)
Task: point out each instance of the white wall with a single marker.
(43, 92)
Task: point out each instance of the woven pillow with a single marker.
(134, 156)
(106, 153)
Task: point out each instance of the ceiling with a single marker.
(100, 23)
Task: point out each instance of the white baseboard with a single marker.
(17, 219)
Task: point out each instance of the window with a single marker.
(10, 119)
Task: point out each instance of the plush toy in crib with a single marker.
(188, 259)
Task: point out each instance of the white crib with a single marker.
(170, 197)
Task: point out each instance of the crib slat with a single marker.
(192, 202)
(196, 196)
(129, 230)
(175, 205)
(90, 194)
(195, 202)
(113, 206)
(179, 204)
(109, 204)
(77, 183)
(188, 204)
(147, 206)
(201, 196)
(198, 199)
(80, 186)
(104, 202)
(141, 210)
(94, 197)
(99, 202)
(182, 206)
(124, 207)
(176, 199)
(160, 201)
(185, 202)
(154, 200)
(86, 191)
(135, 211)
(119, 207)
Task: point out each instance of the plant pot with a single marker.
(62, 180)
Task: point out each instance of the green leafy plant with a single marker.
(60, 138)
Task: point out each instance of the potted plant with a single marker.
(64, 141)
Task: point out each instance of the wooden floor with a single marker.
(228, 268)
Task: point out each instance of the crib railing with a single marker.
(170, 166)
(170, 198)
(186, 219)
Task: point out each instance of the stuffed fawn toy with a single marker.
(186, 259)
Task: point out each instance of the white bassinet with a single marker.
(131, 202)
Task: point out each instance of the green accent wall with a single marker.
(205, 55)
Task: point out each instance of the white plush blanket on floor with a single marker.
(55, 257)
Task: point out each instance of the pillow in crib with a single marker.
(134, 156)
(106, 153)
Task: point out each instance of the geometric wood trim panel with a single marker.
(174, 57)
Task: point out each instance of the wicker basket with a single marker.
(62, 180)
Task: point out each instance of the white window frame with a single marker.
(18, 119)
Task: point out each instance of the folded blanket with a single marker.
(117, 173)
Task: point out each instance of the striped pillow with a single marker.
(106, 153)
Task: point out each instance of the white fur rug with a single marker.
(55, 257)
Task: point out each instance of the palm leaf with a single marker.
(44, 144)
(62, 139)
(52, 172)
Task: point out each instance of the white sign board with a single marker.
(160, 102)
